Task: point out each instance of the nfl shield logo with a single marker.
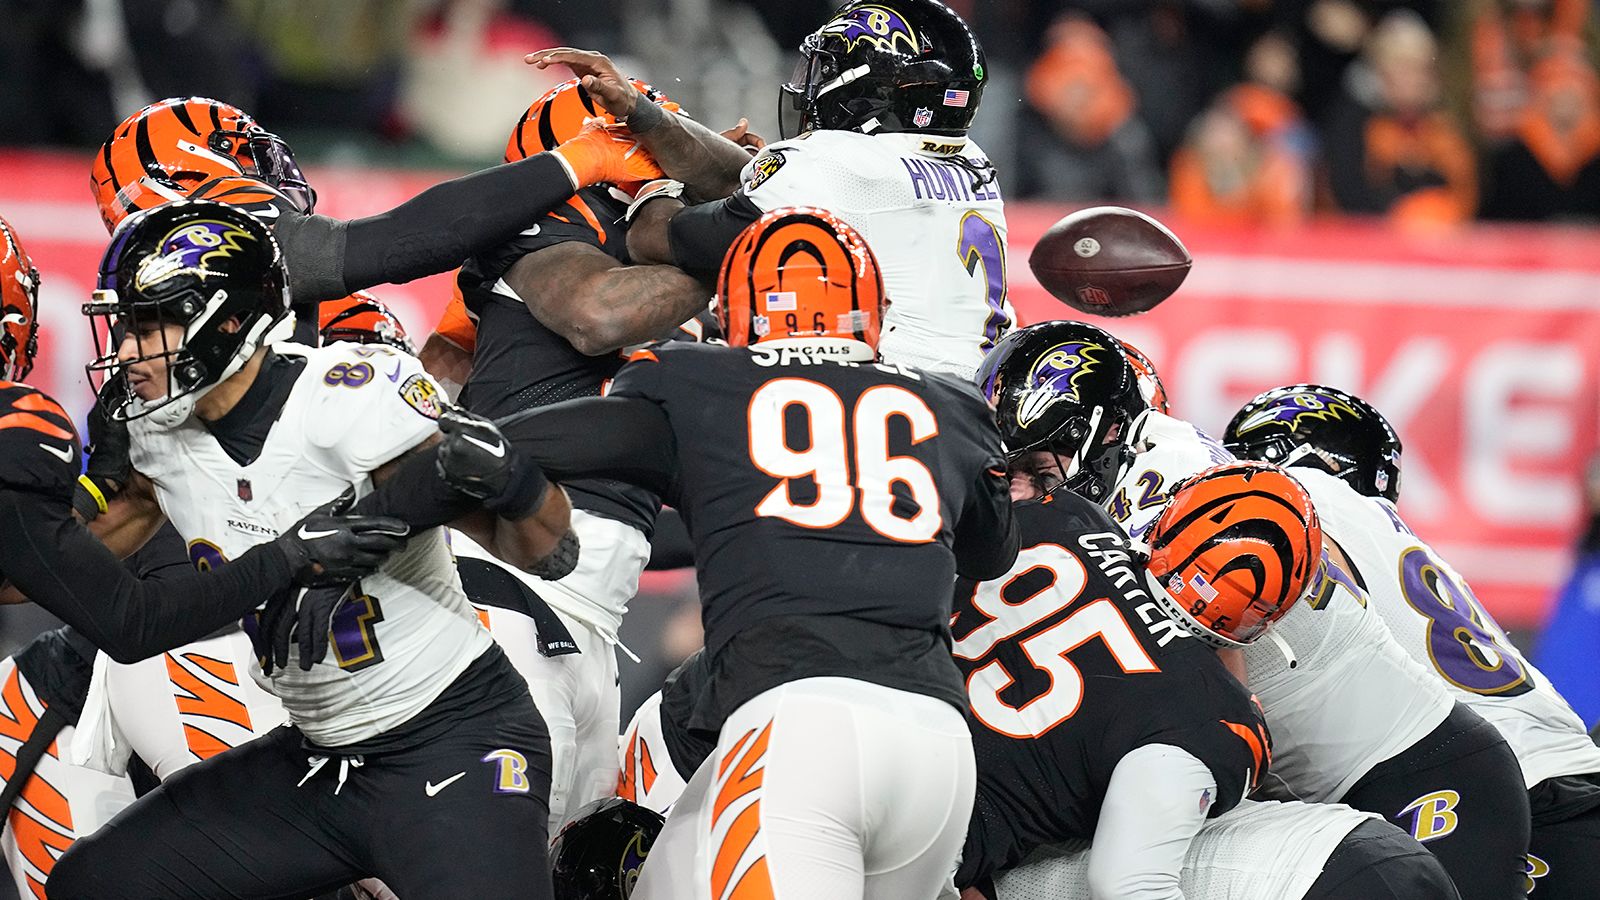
(1093, 296)
(923, 117)
(245, 493)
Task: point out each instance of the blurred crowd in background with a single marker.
(1430, 112)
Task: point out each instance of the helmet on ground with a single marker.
(598, 855)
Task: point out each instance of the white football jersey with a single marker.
(1432, 613)
(407, 635)
(1353, 698)
(940, 240)
(1166, 451)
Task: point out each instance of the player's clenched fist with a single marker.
(476, 459)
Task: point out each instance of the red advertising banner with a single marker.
(1483, 347)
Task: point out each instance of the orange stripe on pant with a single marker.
(739, 780)
(197, 698)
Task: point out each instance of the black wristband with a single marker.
(646, 117)
(521, 497)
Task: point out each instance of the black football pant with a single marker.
(462, 817)
(1564, 855)
(1377, 861)
(1459, 792)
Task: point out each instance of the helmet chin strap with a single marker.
(175, 412)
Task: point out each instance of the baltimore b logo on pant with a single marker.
(1434, 815)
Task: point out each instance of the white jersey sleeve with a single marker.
(357, 431)
(936, 226)
(1437, 620)
(1339, 693)
(1154, 806)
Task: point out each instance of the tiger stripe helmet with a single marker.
(19, 307)
(166, 150)
(362, 319)
(1236, 546)
(1151, 386)
(561, 112)
(800, 272)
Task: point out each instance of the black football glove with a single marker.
(300, 617)
(109, 465)
(328, 547)
(477, 460)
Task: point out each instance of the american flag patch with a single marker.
(956, 98)
(1202, 587)
(780, 301)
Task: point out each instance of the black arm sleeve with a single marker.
(670, 547)
(58, 564)
(432, 232)
(625, 438)
(701, 235)
(986, 538)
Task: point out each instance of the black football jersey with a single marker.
(1070, 665)
(520, 364)
(823, 499)
(39, 450)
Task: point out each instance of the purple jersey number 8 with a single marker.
(1462, 639)
(980, 243)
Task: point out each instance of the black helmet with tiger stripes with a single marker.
(800, 272)
(1235, 547)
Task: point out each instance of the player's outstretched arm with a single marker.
(705, 161)
(449, 222)
(53, 560)
(625, 438)
(1157, 800)
(600, 305)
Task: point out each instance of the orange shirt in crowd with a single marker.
(1424, 149)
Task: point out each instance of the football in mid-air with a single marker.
(1110, 261)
